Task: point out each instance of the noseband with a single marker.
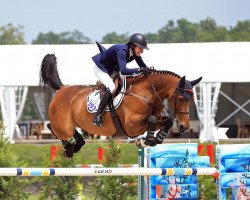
(175, 103)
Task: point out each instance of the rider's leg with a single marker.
(97, 120)
(150, 140)
(164, 131)
(104, 78)
(108, 82)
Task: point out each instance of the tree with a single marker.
(10, 34)
(182, 30)
(186, 31)
(241, 31)
(11, 187)
(152, 37)
(210, 32)
(29, 111)
(62, 187)
(167, 33)
(114, 38)
(75, 37)
(113, 187)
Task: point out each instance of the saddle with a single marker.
(94, 98)
(118, 85)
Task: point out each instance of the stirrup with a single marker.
(97, 120)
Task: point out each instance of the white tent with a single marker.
(215, 62)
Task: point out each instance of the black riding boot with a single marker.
(97, 120)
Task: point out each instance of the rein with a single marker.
(173, 116)
(137, 95)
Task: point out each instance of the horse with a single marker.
(140, 111)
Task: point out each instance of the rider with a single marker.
(113, 60)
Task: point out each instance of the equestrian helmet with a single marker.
(139, 40)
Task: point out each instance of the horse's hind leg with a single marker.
(68, 147)
(79, 141)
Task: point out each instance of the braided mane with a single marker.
(132, 79)
(165, 72)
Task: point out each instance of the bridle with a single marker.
(177, 90)
(173, 115)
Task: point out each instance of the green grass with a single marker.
(38, 155)
(33, 197)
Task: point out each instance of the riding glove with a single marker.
(146, 70)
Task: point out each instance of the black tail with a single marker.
(49, 74)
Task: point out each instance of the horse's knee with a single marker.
(152, 120)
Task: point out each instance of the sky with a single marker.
(96, 18)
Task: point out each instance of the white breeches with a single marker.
(104, 78)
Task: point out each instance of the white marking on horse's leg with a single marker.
(143, 142)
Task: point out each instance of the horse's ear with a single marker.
(194, 82)
(182, 82)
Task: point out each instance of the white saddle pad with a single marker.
(93, 100)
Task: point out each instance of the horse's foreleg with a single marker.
(163, 133)
(150, 140)
(79, 141)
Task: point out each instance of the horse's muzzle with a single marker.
(182, 128)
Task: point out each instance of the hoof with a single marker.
(78, 146)
(68, 153)
(151, 143)
(158, 142)
(68, 150)
(140, 143)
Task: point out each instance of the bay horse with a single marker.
(140, 110)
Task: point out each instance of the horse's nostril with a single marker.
(181, 127)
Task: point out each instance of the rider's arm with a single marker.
(140, 62)
(122, 64)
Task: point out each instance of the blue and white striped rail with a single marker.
(105, 171)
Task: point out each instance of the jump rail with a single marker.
(105, 171)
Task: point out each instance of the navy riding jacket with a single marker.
(116, 58)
